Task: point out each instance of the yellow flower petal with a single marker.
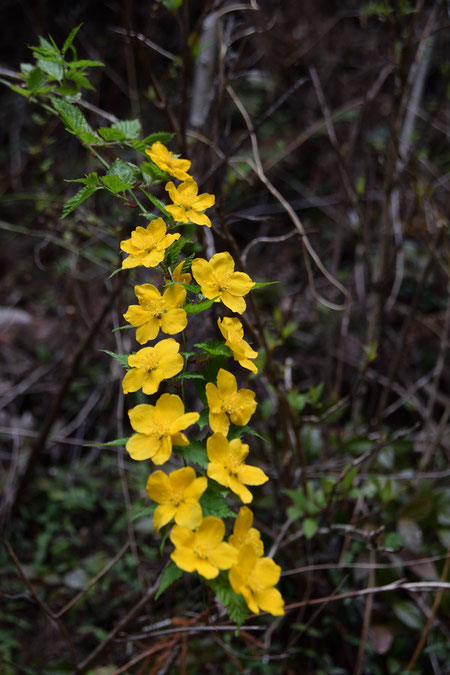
(179, 275)
(142, 447)
(174, 321)
(164, 451)
(163, 514)
(142, 418)
(217, 448)
(158, 487)
(219, 423)
(185, 559)
(270, 600)
(136, 315)
(181, 537)
(226, 382)
(236, 304)
(240, 490)
(251, 475)
(218, 473)
(174, 296)
(189, 515)
(133, 380)
(183, 422)
(181, 478)
(210, 533)
(266, 572)
(224, 556)
(148, 331)
(206, 569)
(195, 490)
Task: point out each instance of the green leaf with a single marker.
(18, 90)
(111, 134)
(185, 376)
(88, 137)
(77, 199)
(117, 442)
(79, 79)
(310, 527)
(53, 69)
(195, 452)
(409, 614)
(261, 284)
(130, 128)
(121, 327)
(115, 184)
(213, 503)
(235, 604)
(70, 38)
(203, 420)
(174, 250)
(36, 80)
(147, 511)
(91, 180)
(142, 145)
(120, 358)
(153, 171)
(72, 116)
(237, 432)
(123, 170)
(158, 203)
(197, 307)
(170, 574)
(84, 63)
(214, 348)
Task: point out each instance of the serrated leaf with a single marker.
(70, 38)
(111, 134)
(235, 604)
(36, 80)
(171, 573)
(88, 137)
(195, 452)
(79, 79)
(53, 69)
(213, 503)
(120, 358)
(197, 307)
(123, 170)
(131, 128)
(203, 420)
(91, 180)
(237, 432)
(77, 199)
(115, 184)
(72, 116)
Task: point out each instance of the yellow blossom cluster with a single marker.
(198, 539)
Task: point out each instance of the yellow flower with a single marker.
(167, 161)
(147, 246)
(225, 401)
(218, 279)
(227, 467)
(204, 550)
(159, 426)
(179, 275)
(150, 365)
(244, 534)
(255, 578)
(233, 332)
(157, 311)
(178, 495)
(187, 204)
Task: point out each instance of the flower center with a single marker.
(155, 306)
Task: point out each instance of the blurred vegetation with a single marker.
(349, 106)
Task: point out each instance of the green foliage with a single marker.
(195, 452)
(213, 502)
(214, 348)
(171, 574)
(120, 358)
(77, 199)
(235, 604)
(115, 184)
(71, 116)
